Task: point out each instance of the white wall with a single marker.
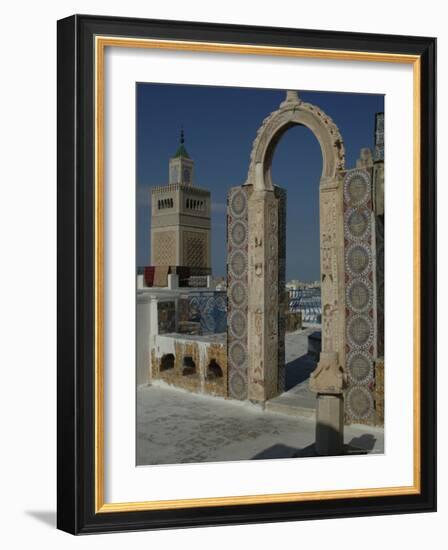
(28, 270)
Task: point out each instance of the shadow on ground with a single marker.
(299, 370)
(365, 441)
(357, 446)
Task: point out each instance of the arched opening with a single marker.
(167, 362)
(188, 366)
(294, 163)
(214, 370)
(267, 254)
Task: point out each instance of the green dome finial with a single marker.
(181, 151)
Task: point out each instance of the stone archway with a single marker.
(264, 331)
(352, 288)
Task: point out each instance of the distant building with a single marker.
(180, 219)
(295, 284)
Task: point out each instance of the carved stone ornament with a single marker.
(294, 111)
(329, 377)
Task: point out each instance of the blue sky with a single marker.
(220, 125)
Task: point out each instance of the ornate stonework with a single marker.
(291, 112)
(266, 256)
(359, 293)
(237, 290)
(329, 271)
(182, 211)
(348, 269)
(263, 309)
(194, 249)
(164, 248)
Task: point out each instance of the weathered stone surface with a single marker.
(294, 111)
(191, 363)
(378, 184)
(365, 158)
(379, 391)
(293, 320)
(263, 254)
(166, 316)
(187, 427)
(329, 377)
(263, 307)
(329, 425)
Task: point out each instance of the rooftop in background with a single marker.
(221, 124)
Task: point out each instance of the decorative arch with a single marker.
(351, 268)
(293, 111)
(261, 216)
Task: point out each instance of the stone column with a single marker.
(263, 296)
(328, 380)
(330, 418)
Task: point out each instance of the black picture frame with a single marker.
(76, 286)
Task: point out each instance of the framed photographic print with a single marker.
(246, 274)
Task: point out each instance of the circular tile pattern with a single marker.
(238, 294)
(358, 260)
(237, 324)
(237, 354)
(358, 224)
(356, 187)
(237, 385)
(359, 402)
(238, 203)
(238, 233)
(360, 329)
(359, 296)
(238, 263)
(360, 367)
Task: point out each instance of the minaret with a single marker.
(181, 165)
(180, 218)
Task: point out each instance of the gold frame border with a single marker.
(101, 42)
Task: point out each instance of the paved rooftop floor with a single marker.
(175, 426)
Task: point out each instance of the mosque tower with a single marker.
(180, 218)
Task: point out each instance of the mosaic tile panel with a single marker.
(360, 266)
(210, 310)
(237, 291)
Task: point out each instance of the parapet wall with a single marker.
(197, 364)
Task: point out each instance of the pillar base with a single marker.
(329, 424)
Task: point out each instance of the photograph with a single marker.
(260, 274)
